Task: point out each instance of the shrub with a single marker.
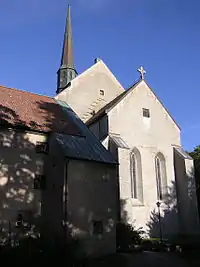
(127, 236)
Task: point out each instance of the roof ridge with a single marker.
(20, 90)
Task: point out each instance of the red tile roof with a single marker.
(35, 112)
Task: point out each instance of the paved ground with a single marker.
(157, 259)
(145, 259)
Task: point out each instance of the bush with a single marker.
(127, 236)
(155, 244)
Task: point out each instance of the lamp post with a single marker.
(159, 219)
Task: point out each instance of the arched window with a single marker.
(133, 176)
(136, 175)
(161, 177)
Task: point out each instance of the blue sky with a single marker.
(161, 35)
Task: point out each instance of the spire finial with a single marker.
(142, 72)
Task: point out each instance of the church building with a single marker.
(75, 164)
(155, 174)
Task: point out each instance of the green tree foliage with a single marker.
(195, 154)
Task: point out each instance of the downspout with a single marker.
(65, 194)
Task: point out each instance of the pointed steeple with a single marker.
(67, 71)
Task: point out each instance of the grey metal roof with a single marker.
(182, 153)
(87, 146)
(82, 148)
(119, 141)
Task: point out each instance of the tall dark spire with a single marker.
(67, 71)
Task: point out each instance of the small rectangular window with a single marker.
(19, 220)
(42, 147)
(101, 92)
(97, 227)
(146, 113)
(39, 182)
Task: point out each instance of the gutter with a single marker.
(97, 161)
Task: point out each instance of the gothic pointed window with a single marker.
(161, 178)
(133, 177)
(136, 175)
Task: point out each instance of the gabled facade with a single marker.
(94, 88)
(99, 85)
(60, 179)
(144, 138)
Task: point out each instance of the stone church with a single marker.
(75, 164)
(155, 174)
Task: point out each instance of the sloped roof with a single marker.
(110, 105)
(115, 101)
(182, 153)
(118, 140)
(80, 147)
(22, 109)
(87, 146)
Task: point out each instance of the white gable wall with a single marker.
(83, 96)
(159, 129)
(149, 136)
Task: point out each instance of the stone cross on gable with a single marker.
(142, 72)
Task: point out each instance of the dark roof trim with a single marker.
(89, 160)
(114, 102)
(181, 152)
(110, 105)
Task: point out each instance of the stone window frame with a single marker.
(102, 92)
(136, 180)
(161, 176)
(146, 112)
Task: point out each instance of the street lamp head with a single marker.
(158, 204)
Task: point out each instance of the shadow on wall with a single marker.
(123, 213)
(19, 205)
(175, 221)
(91, 209)
(168, 216)
(127, 235)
